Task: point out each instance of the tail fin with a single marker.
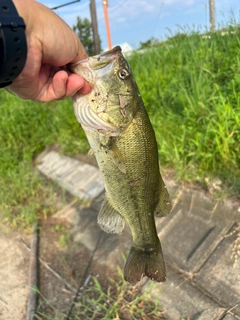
(142, 263)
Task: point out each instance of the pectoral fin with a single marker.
(109, 219)
(114, 154)
(163, 207)
(116, 157)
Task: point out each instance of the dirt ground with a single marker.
(68, 260)
(61, 270)
(13, 275)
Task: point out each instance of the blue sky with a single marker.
(133, 21)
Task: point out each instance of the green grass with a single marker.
(26, 128)
(190, 86)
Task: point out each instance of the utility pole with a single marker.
(96, 40)
(212, 15)
(105, 8)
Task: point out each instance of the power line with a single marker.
(158, 16)
(118, 6)
(63, 5)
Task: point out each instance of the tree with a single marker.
(83, 29)
(149, 43)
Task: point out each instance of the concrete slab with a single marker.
(220, 276)
(223, 208)
(180, 300)
(190, 236)
(188, 239)
(228, 317)
(85, 231)
(79, 178)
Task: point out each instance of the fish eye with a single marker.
(123, 74)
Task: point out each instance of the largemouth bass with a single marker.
(121, 136)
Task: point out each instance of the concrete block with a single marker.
(79, 178)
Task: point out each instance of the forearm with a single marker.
(22, 8)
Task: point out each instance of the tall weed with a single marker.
(190, 85)
(26, 128)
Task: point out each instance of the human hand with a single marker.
(52, 44)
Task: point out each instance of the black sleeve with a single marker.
(13, 44)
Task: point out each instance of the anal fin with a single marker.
(109, 219)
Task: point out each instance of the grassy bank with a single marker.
(190, 85)
(191, 88)
(26, 128)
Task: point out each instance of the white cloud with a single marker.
(124, 12)
(131, 9)
(180, 2)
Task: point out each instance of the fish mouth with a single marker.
(103, 59)
(96, 66)
(110, 54)
(100, 60)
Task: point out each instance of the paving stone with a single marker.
(180, 201)
(190, 236)
(209, 208)
(221, 277)
(97, 202)
(229, 317)
(180, 300)
(188, 239)
(79, 178)
(223, 208)
(172, 187)
(215, 315)
(85, 231)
